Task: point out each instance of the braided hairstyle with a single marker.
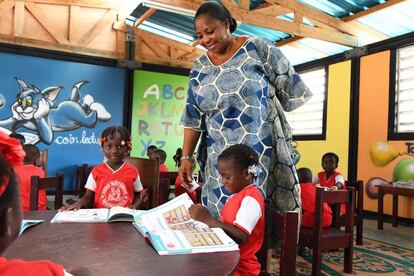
(242, 155)
(109, 132)
(217, 11)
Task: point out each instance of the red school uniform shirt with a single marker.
(164, 168)
(114, 188)
(24, 173)
(245, 210)
(330, 182)
(308, 195)
(19, 267)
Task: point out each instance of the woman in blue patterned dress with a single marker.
(237, 94)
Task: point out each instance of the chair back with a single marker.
(38, 183)
(285, 224)
(336, 198)
(167, 180)
(359, 194)
(319, 238)
(149, 173)
(82, 174)
(44, 155)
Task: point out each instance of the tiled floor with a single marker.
(402, 235)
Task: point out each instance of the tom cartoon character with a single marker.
(36, 110)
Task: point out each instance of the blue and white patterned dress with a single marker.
(242, 101)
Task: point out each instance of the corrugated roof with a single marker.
(389, 22)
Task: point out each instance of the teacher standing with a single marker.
(237, 94)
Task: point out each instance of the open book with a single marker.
(26, 223)
(171, 230)
(97, 215)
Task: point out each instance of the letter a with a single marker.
(152, 90)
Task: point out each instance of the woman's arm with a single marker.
(191, 137)
(200, 213)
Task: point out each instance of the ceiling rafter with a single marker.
(244, 5)
(144, 17)
(5, 6)
(271, 9)
(103, 4)
(271, 22)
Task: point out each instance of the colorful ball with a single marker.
(404, 170)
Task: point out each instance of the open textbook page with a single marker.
(171, 230)
(96, 215)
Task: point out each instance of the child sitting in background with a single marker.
(11, 154)
(150, 150)
(308, 196)
(162, 155)
(242, 217)
(30, 168)
(329, 177)
(114, 182)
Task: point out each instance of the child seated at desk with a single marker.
(11, 154)
(30, 168)
(162, 155)
(114, 182)
(242, 217)
(329, 177)
(308, 196)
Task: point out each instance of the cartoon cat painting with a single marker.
(37, 111)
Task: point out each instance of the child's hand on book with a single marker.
(75, 206)
(200, 213)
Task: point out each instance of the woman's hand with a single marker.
(200, 213)
(186, 173)
(75, 206)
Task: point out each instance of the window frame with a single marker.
(393, 135)
(322, 136)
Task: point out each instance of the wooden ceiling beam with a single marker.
(371, 10)
(103, 4)
(144, 17)
(271, 9)
(45, 22)
(108, 18)
(312, 13)
(5, 6)
(18, 26)
(273, 23)
(245, 5)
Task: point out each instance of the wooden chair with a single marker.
(286, 225)
(149, 172)
(82, 174)
(166, 179)
(37, 183)
(44, 155)
(359, 209)
(319, 238)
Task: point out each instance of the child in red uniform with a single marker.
(25, 173)
(242, 217)
(114, 182)
(329, 177)
(308, 195)
(162, 155)
(11, 154)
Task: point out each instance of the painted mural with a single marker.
(60, 106)
(36, 110)
(158, 102)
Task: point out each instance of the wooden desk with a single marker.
(395, 190)
(110, 249)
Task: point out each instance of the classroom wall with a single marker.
(373, 127)
(158, 102)
(74, 128)
(337, 128)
